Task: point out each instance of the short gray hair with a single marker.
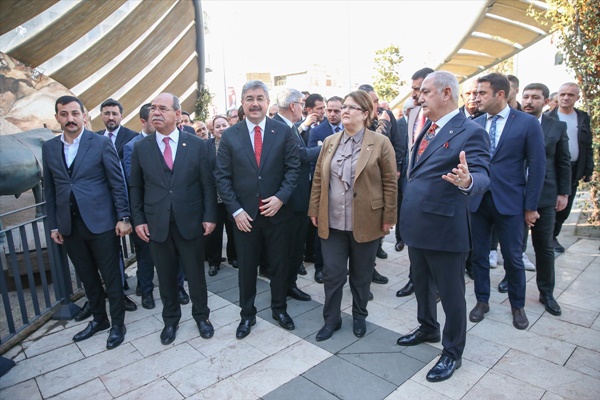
(444, 79)
(288, 96)
(251, 85)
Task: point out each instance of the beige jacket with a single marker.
(375, 187)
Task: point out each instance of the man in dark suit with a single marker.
(87, 204)
(580, 148)
(318, 134)
(469, 93)
(289, 102)
(173, 202)
(402, 123)
(257, 171)
(111, 112)
(315, 107)
(555, 193)
(415, 121)
(517, 168)
(436, 203)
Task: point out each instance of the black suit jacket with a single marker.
(123, 137)
(558, 161)
(585, 162)
(399, 142)
(242, 183)
(188, 196)
(300, 199)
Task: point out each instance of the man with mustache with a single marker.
(257, 169)
(87, 212)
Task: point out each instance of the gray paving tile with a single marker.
(393, 367)
(377, 340)
(345, 380)
(340, 340)
(296, 308)
(220, 285)
(232, 295)
(299, 388)
(422, 352)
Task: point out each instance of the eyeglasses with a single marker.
(351, 107)
(162, 109)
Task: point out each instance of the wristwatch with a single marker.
(125, 219)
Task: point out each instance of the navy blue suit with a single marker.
(84, 203)
(435, 225)
(517, 169)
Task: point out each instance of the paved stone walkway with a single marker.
(555, 358)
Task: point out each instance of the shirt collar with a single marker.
(251, 125)
(287, 121)
(335, 126)
(75, 141)
(444, 120)
(504, 113)
(357, 138)
(174, 136)
(115, 132)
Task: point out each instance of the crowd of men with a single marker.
(493, 168)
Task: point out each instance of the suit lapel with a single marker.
(546, 127)
(181, 155)
(244, 138)
(159, 161)
(417, 143)
(84, 145)
(365, 153)
(268, 141)
(445, 135)
(505, 132)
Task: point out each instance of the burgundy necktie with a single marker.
(257, 144)
(168, 154)
(428, 137)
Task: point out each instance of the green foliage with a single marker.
(203, 102)
(387, 81)
(576, 23)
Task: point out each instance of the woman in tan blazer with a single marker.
(353, 204)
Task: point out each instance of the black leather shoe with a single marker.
(233, 263)
(443, 369)
(407, 290)
(551, 305)
(148, 301)
(302, 269)
(327, 330)
(182, 296)
(206, 329)
(503, 285)
(285, 321)
(359, 327)
(167, 336)
(559, 248)
(371, 297)
(381, 253)
(84, 313)
(399, 245)
(477, 313)
(213, 270)
(91, 329)
(130, 304)
(520, 320)
(244, 328)
(378, 278)
(298, 294)
(115, 336)
(418, 337)
(319, 278)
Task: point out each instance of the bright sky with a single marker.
(284, 36)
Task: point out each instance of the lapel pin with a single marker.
(272, 131)
(183, 145)
(451, 132)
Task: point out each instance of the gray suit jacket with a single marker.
(96, 182)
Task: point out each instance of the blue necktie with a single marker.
(337, 129)
(493, 133)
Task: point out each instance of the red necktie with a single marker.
(168, 155)
(257, 144)
(428, 137)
